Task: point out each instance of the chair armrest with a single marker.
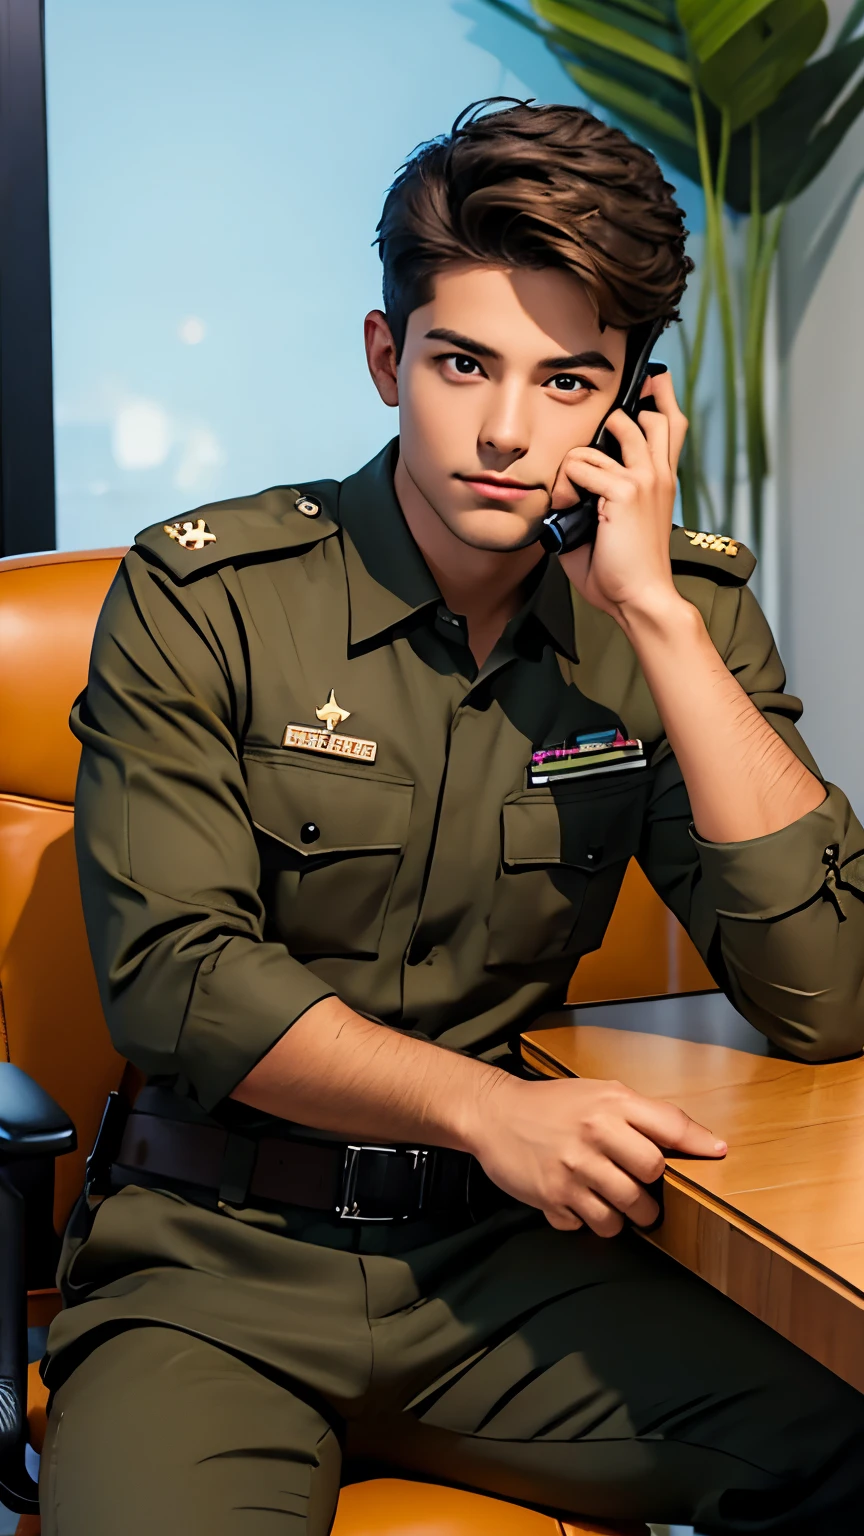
(31, 1124)
(17, 1490)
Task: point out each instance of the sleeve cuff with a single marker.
(241, 1006)
(769, 877)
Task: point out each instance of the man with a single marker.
(324, 895)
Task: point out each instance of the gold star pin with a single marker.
(190, 535)
(719, 542)
(331, 714)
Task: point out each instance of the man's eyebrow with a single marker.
(578, 360)
(548, 364)
(464, 343)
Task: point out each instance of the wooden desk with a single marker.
(778, 1224)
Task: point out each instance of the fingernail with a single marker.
(720, 1146)
(654, 369)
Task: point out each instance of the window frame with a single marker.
(27, 499)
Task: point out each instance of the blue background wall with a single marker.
(216, 175)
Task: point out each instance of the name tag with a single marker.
(307, 739)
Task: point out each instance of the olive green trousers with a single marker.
(576, 1375)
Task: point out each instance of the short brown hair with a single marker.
(532, 186)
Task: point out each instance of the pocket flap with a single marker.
(349, 812)
(586, 830)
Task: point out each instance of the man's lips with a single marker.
(499, 490)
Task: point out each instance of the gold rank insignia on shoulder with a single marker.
(191, 535)
(719, 542)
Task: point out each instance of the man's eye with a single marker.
(570, 383)
(463, 364)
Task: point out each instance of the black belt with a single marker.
(354, 1181)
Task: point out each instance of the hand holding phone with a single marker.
(571, 527)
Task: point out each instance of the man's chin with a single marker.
(493, 530)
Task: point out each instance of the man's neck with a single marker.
(483, 585)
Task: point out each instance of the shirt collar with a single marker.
(388, 579)
(551, 603)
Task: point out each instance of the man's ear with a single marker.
(381, 355)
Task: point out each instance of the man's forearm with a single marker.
(579, 1151)
(742, 779)
(337, 1071)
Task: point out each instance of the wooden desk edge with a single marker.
(791, 1294)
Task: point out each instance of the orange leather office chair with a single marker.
(52, 1028)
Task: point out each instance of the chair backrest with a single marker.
(645, 952)
(51, 1022)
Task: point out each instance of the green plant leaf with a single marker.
(851, 24)
(747, 74)
(657, 32)
(671, 95)
(710, 24)
(824, 143)
(633, 104)
(789, 126)
(576, 22)
(645, 8)
(669, 131)
(655, 109)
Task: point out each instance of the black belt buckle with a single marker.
(372, 1181)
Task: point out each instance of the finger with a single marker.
(656, 430)
(670, 1127)
(677, 435)
(569, 479)
(603, 479)
(596, 1212)
(563, 1219)
(634, 446)
(660, 386)
(622, 1192)
(636, 1154)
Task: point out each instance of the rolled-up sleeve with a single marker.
(778, 919)
(166, 848)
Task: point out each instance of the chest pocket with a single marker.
(563, 857)
(330, 840)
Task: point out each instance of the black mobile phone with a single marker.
(571, 527)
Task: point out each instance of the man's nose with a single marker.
(505, 428)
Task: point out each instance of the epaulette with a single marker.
(284, 518)
(711, 554)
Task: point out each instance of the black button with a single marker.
(309, 833)
(450, 623)
(593, 855)
(310, 506)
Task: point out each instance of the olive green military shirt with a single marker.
(230, 881)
